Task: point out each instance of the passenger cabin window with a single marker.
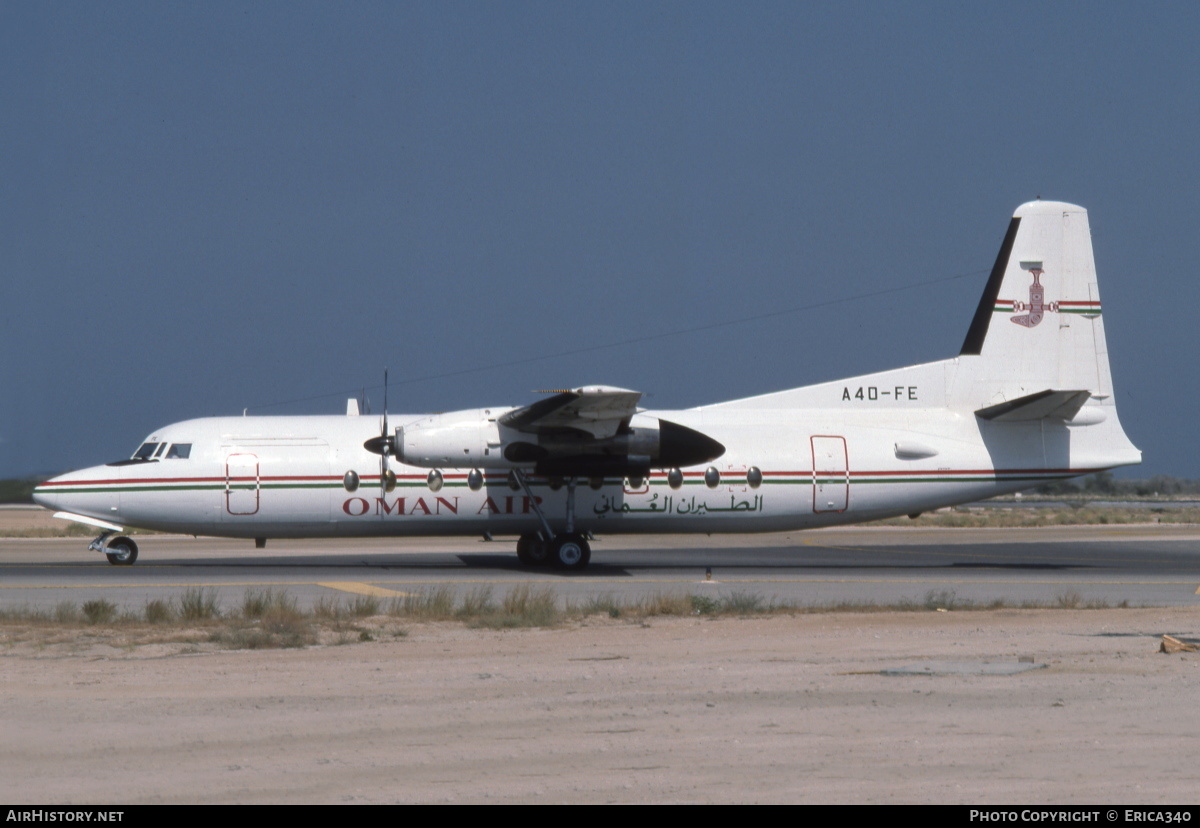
(179, 451)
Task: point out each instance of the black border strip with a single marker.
(973, 344)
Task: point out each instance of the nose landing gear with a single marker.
(120, 551)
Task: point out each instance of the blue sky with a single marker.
(213, 206)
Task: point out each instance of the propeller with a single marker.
(384, 445)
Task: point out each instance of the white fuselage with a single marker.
(285, 477)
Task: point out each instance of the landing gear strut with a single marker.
(566, 550)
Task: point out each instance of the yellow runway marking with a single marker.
(359, 588)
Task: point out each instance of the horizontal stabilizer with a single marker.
(1048, 404)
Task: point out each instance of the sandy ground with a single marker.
(19, 517)
(779, 709)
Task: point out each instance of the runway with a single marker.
(1142, 565)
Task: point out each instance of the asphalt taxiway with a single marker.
(1142, 565)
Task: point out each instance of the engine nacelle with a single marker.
(456, 440)
(474, 439)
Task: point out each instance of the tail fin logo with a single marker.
(1037, 305)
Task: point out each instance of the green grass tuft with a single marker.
(661, 603)
(198, 604)
(261, 603)
(604, 604)
(99, 611)
(746, 603)
(476, 603)
(328, 608)
(66, 612)
(159, 611)
(937, 599)
(529, 606)
(435, 604)
(364, 606)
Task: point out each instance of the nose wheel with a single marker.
(121, 552)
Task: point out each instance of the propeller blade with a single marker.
(387, 478)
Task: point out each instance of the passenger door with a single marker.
(831, 474)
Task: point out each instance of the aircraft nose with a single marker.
(44, 493)
(86, 492)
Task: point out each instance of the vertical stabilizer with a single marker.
(1034, 366)
(1039, 324)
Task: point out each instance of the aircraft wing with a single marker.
(594, 431)
(598, 411)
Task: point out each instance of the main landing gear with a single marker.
(566, 550)
(120, 551)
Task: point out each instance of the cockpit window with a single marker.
(179, 451)
(161, 446)
(146, 451)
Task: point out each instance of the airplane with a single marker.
(1027, 400)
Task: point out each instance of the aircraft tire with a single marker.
(532, 551)
(122, 552)
(571, 552)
